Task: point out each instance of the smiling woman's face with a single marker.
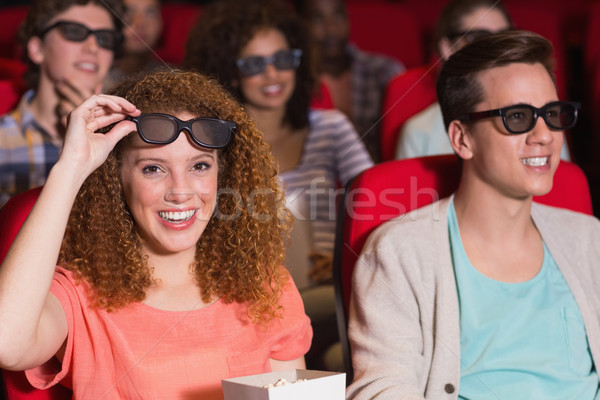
(272, 88)
(171, 191)
(83, 63)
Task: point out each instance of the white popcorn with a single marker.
(281, 382)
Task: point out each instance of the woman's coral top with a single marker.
(140, 352)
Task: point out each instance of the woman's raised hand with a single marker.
(84, 146)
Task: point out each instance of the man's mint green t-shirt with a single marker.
(521, 340)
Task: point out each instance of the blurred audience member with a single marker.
(356, 79)
(69, 48)
(460, 22)
(143, 29)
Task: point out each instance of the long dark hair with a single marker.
(226, 27)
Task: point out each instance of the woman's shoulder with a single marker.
(69, 278)
(68, 286)
(327, 118)
(331, 125)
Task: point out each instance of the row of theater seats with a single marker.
(11, 83)
(399, 29)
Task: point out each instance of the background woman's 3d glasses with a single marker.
(282, 60)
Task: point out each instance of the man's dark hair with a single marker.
(458, 87)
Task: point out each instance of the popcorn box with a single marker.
(319, 385)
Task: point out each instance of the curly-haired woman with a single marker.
(169, 275)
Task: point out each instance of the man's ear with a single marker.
(35, 50)
(460, 139)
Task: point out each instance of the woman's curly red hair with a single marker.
(238, 255)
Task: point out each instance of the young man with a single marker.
(69, 47)
(485, 295)
(356, 79)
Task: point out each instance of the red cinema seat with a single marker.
(322, 98)
(9, 96)
(178, 20)
(387, 28)
(548, 24)
(406, 95)
(12, 216)
(592, 39)
(10, 20)
(14, 70)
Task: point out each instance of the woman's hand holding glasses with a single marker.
(85, 148)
